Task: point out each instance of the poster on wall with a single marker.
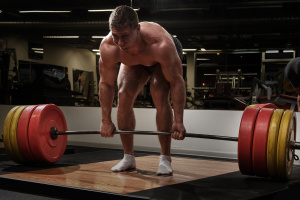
(82, 81)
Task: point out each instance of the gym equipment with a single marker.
(266, 142)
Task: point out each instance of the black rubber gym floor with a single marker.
(226, 186)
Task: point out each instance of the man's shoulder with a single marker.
(107, 44)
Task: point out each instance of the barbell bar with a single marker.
(55, 133)
(38, 134)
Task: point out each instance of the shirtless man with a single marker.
(145, 50)
(292, 73)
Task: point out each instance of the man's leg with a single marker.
(160, 91)
(131, 80)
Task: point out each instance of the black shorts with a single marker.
(178, 46)
(292, 72)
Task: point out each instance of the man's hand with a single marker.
(178, 130)
(107, 129)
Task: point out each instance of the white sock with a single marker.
(128, 162)
(165, 167)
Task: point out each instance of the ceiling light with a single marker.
(203, 59)
(109, 10)
(60, 37)
(41, 52)
(96, 50)
(96, 36)
(252, 7)
(272, 51)
(44, 11)
(189, 49)
(37, 49)
(179, 9)
(202, 49)
(288, 51)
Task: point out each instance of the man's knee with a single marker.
(125, 100)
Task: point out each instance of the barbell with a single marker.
(266, 142)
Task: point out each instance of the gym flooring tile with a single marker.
(86, 171)
(98, 176)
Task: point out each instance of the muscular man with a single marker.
(145, 50)
(292, 73)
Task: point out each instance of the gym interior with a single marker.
(235, 53)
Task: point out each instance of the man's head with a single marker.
(124, 26)
(123, 16)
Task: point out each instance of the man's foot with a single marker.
(165, 167)
(127, 163)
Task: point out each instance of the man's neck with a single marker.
(138, 46)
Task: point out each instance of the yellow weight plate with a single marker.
(272, 142)
(17, 156)
(6, 128)
(287, 133)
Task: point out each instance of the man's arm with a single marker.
(172, 70)
(108, 72)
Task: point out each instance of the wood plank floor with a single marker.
(97, 176)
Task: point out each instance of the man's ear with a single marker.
(138, 27)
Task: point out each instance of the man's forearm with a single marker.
(106, 96)
(178, 95)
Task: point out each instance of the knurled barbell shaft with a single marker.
(194, 135)
(294, 145)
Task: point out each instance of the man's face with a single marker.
(124, 37)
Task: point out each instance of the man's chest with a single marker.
(138, 59)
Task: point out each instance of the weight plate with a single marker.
(22, 134)
(44, 148)
(245, 140)
(17, 157)
(260, 141)
(287, 133)
(6, 131)
(272, 142)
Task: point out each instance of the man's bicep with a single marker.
(171, 67)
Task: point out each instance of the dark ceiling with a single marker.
(209, 24)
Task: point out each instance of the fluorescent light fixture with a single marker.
(288, 51)
(98, 36)
(272, 51)
(41, 52)
(37, 49)
(60, 37)
(98, 53)
(96, 50)
(44, 11)
(252, 7)
(203, 59)
(189, 49)
(180, 9)
(109, 10)
(202, 49)
(175, 36)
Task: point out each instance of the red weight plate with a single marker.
(266, 105)
(245, 140)
(22, 134)
(44, 148)
(260, 141)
